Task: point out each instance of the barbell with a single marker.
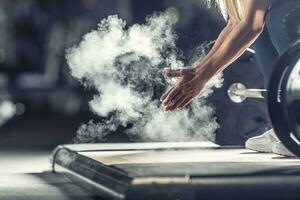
(238, 93)
(283, 97)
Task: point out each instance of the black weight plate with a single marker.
(276, 104)
(291, 93)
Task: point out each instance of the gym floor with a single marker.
(26, 175)
(50, 104)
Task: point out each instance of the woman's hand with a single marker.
(189, 85)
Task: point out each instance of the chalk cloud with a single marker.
(125, 66)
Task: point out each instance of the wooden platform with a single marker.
(178, 170)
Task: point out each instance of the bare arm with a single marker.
(239, 39)
(230, 26)
(227, 49)
(232, 42)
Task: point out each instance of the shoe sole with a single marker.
(282, 154)
(257, 148)
(285, 155)
(279, 152)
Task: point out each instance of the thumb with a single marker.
(171, 73)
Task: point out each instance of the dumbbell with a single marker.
(238, 93)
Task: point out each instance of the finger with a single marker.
(171, 96)
(174, 98)
(171, 104)
(164, 96)
(171, 73)
(180, 103)
(177, 103)
(185, 103)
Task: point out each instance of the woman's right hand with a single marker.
(189, 85)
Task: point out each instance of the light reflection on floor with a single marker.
(24, 161)
(24, 174)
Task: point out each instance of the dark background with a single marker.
(34, 35)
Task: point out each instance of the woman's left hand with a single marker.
(189, 85)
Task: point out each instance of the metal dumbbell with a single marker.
(238, 93)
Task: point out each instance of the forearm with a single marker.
(236, 43)
(243, 50)
(218, 42)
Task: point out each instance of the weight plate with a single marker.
(278, 99)
(291, 94)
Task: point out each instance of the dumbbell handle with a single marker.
(238, 93)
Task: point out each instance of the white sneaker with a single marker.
(280, 149)
(262, 143)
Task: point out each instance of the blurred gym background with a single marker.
(51, 105)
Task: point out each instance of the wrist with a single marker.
(205, 71)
